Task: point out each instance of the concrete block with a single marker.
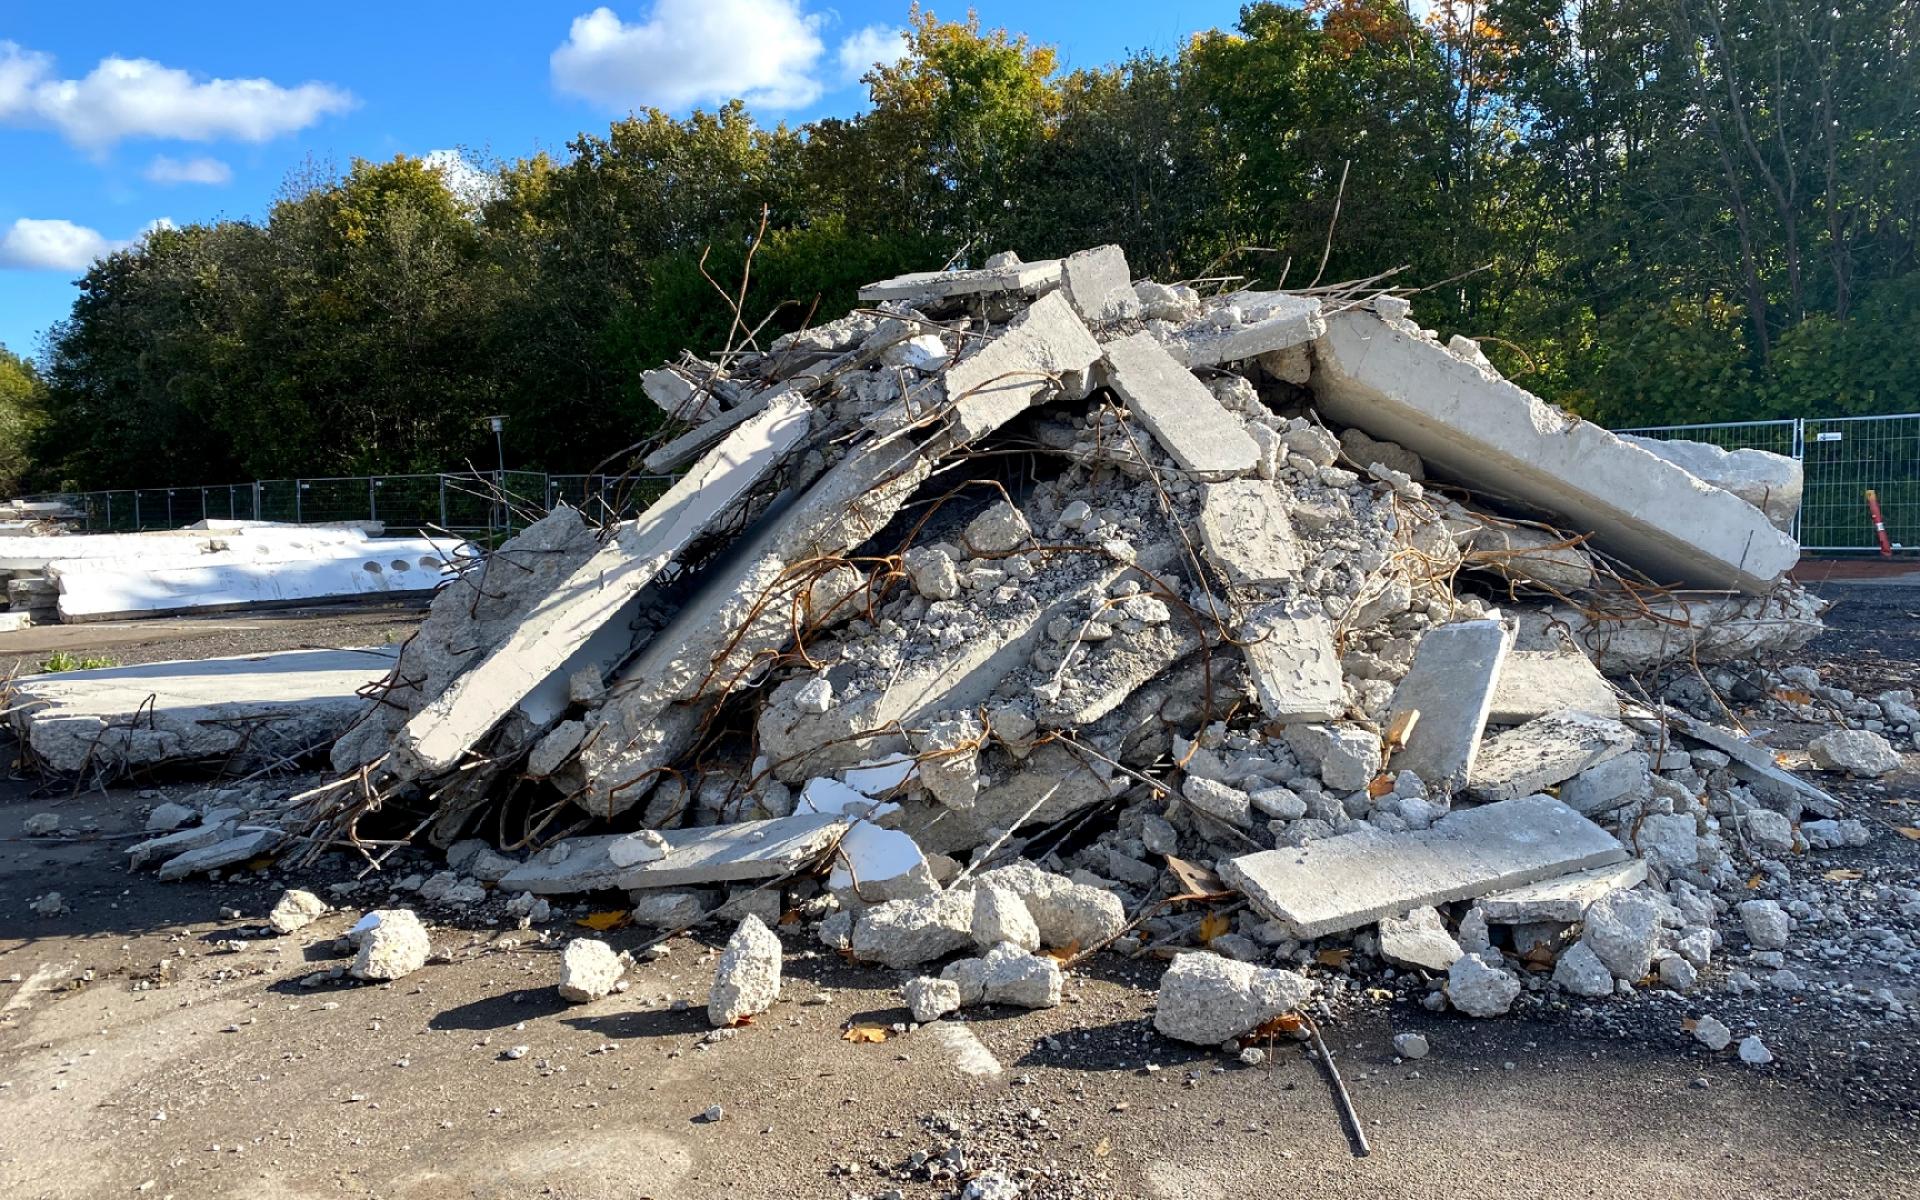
(1478, 429)
(1247, 530)
(1026, 279)
(1270, 322)
(1419, 939)
(1290, 656)
(1771, 483)
(1451, 684)
(1608, 785)
(1357, 878)
(601, 591)
(717, 854)
(1178, 410)
(1563, 899)
(1544, 752)
(263, 706)
(1533, 683)
(1097, 284)
(1020, 368)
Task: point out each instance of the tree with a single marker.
(22, 410)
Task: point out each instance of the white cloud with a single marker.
(169, 171)
(471, 185)
(688, 52)
(881, 44)
(137, 97)
(57, 245)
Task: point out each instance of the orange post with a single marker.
(1879, 524)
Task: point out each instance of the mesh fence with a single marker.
(484, 505)
(1843, 459)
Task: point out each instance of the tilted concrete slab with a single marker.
(1546, 751)
(701, 438)
(260, 707)
(247, 843)
(1485, 432)
(1752, 762)
(1533, 683)
(1355, 879)
(601, 590)
(1178, 410)
(1451, 685)
(1563, 899)
(1772, 483)
(740, 618)
(1271, 321)
(1018, 369)
(695, 857)
(1293, 663)
(1028, 279)
(1247, 530)
(1098, 285)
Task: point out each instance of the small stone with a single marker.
(1623, 928)
(295, 910)
(1754, 1052)
(1419, 939)
(395, 944)
(816, 694)
(589, 969)
(41, 824)
(1001, 916)
(1855, 751)
(1712, 1033)
(932, 573)
(991, 1185)
(1766, 923)
(165, 818)
(746, 980)
(999, 530)
(1206, 999)
(928, 999)
(1677, 973)
(1013, 976)
(1581, 972)
(713, 1114)
(1410, 1045)
(52, 904)
(1480, 990)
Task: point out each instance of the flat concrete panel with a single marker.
(1451, 686)
(1178, 410)
(1344, 882)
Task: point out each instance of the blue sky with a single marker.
(115, 116)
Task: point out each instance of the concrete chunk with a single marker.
(1418, 939)
(1018, 369)
(245, 845)
(719, 854)
(1771, 483)
(604, 589)
(1178, 410)
(1013, 279)
(746, 980)
(1270, 322)
(1470, 426)
(1451, 686)
(1291, 660)
(1248, 533)
(1542, 753)
(1097, 284)
(1533, 683)
(1563, 899)
(1357, 878)
(1206, 999)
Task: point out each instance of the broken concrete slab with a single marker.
(258, 707)
(600, 591)
(701, 438)
(1562, 899)
(1419, 939)
(1257, 323)
(1533, 683)
(1543, 752)
(745, 612)
(716, 854)
(217, 826)
(1771, 483)
(1355, 879)
(1247, 530)
(1474, 427)
(1041, 349)
(1018, 278)
(1609, 784)
(1451, 685)
(1292, 663)
(1096, 282)
(244, 845)
(1753, 763)
(1183, 416)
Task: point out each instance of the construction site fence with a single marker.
(1842, 460)
(481, 505)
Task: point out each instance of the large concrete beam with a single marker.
(601, 589)
(1028, 279)
(1477, 429)
(1178, 410)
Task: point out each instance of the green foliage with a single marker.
(65, 660)
(1653, 211)
(23, 404)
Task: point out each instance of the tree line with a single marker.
(1651, 211)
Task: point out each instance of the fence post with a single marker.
(136, 509)
(373, 506)
(443, 501)
(298, 502)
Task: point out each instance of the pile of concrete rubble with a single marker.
(1033, 611)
